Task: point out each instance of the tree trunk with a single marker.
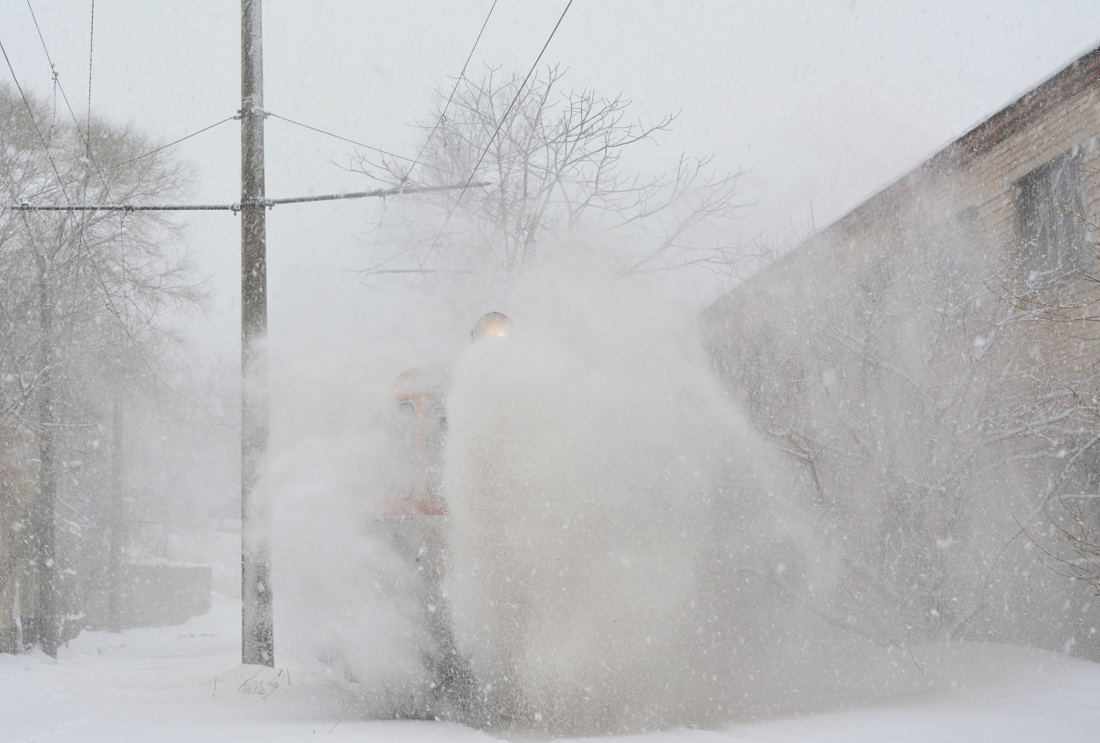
(46, 625)
(117, 532)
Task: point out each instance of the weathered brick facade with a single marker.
(935, 375)
(979, 170)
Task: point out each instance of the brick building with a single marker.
(930, 362)
(1008, 180)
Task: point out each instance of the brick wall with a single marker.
(780, 343)
(980, 169)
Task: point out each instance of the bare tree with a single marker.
(565, 168)
(938, 419)
(83, 305)
(1065, 305)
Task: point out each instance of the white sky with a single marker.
(826, 102)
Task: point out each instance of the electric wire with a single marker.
(30, 112)
(269, 202)
(57, 84)
(454, 89)
(85, 136)
(342, 139)
(91, 51)
(53, 68)
(87, 143)
(173, 143)
(492, 138)
(431, 134)
(415, 161)
(150, 153)
(519, 92)
(87, 139)
(88, 152)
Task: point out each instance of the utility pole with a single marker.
(257, 636)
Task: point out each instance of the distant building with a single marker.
(932, 362)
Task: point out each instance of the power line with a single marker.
(342, 139)
(438, 123)
(87, 140)
(222, 207)
(383, 192)
(173, 143)
(151, 152)
(88, 153)
(107, 300)
(518, 93)
(458, 80)
(442, 117)
(91, 50)
(34, 18)
(30, 112)
(88, 148)
(496, 131)
(76, 123)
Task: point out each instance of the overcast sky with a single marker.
(825, 102)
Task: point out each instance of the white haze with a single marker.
(625, 552)
(621, 541)
(347, 598)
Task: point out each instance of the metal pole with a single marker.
(257, 638)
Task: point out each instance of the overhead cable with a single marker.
(87, 141)
(458, 80)
(518, 93)
(173, 143)
(342, 139)
(236, 207)
(43, 40)
(438, 123)
(91, 50)
(30, 112)
(496, 131)
(151, 152)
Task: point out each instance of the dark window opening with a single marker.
(1051, 221)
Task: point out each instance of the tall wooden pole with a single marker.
(257, 637)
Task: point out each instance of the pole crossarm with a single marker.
(236, 207)
(123, 207)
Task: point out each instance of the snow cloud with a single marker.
(626, 552)
(622, 551)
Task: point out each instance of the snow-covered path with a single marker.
(174, 684)
(1052, 698)
(184, 684)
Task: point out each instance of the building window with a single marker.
(1051, 207)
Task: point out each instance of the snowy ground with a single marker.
(185, 684)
